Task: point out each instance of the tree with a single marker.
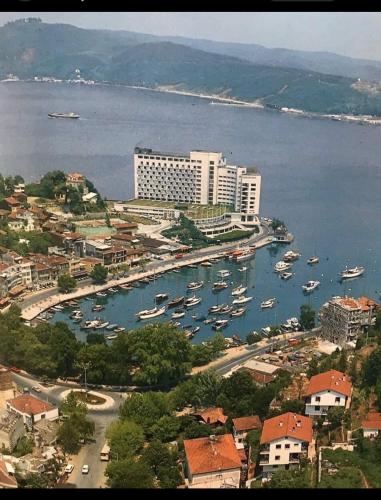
(68, 437)
(129, 473)
(275, 223)
(290, 479)
(166, 429)
(145, 409)
(342, 363)
(126, 438)
(371, 369)
(99, 273)
(197, 430)
(77, 426)
(253, 338)
(163, 463)
(107, 219)
(66, 283)
(335, 416)
(307, 317)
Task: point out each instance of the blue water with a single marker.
(323, 178)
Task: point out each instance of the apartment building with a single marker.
(343, 319)
(199, 177)
(285, 439)
(327, 390)
(32, 409)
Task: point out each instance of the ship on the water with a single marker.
(63, 115)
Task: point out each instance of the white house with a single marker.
(32, 409)
(327, 390)
(371, 426)
(243, 425)
(212, 462)
(285, 439)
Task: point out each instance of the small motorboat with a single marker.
(126, 287)
(282, 266)
(97, 308)
(239, 290)
(102, 325)
(145, 281)
(219, 285)
(291, 256)
(209, 321)
(355, 272)
(310, 286)
(286, 275)
(192, 301)
(112, 290)
(220, 323)
(151, 313)
(195, 285)
(238, 312)
(267, 304)
(266, 330)
(200, 318)
(242, 269)
(119, 329)
(176, 301)
(112, 326)
(58, 307)
(225, 310)
(101, 294)
(215, 309)
(224, 273)
(178, 314)
(195, 330)
(176, 324)
(206, 264)
(193, 266)
(77, 314)
(242, 300)
(111, 337)
(313, 260)
(161, 296)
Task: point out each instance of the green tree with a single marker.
(197, 430)
(129, 473)
(335, 416)
(253, 338)
(68, 437)
(342, 363)
(145, 409)
(290, 479)
(107, 219)
(163, 463)
(307, 317)
(24, 446)
(126, 438)
(275, 223)
(166, 429)
(66, 283)
(371, 369)
(99, 273)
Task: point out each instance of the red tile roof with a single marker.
(366, 303)
(372, 421)
(289, 425)
(213, 416)
(6, 480)
(30, 405)
(12, 201)
(211, 455)
(331, 380)
(247, 423)
(125, 225)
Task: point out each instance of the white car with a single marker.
(85, 469)
(36, 388)
(69, 468)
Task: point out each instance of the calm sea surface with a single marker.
(323, 178)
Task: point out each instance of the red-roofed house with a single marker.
(32, 409)
(284, 440)
(243, 425)
(212, 462)
(11, 203)
(328, 390)
(75, 179)
(213, 416)
(7, 478)
(371, 426)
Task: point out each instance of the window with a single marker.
(295, 444)
(337, 399)
(317, 399)
(287, 446)
(317, 408)
(278, 446)
(277, 457)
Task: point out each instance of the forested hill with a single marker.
(33, 48)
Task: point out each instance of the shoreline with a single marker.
(226, 101)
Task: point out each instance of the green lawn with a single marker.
(191, 210)
(233, 235)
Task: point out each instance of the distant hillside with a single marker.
(33, 48)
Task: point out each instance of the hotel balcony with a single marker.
(294, 458)
(263, 460)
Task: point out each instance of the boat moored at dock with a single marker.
(152, 313)
(176, 301)
(242, 300)
(195, 285)
(239, 290)
(192, 301)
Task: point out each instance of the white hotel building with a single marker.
(200, 177)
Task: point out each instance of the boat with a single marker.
(243, 254)
(193, 266)
(220, 285)
(112, 326)
(195, 285)
(101, 294)
(119, 329)
(144, 281)
(200, 318)
(209, 321)
(189, 335)
(152, 313)
(239, 290)
(97, 308)
(291, 256)
(243, 269)
(282, 266)
(266, 330)
(195, 330)
(175, 270)
(161, 296)
(238, 312)
(220, 323)
(192, 301)
(112, 290)
(313, 260)
(90, 324)
(291, 325)
(187, 327)
(225, 310)
(58, 307)
(63, 115)
(355, 272)
(266, 304)
(206, 264)
(286, 275)
(310, 286)
(215, 309)
(102, 325)
(176, 301)
(224, 273)
(112, 337)
(242, 300)
(178, 314)
(77, 314)
(176, 324)
(126, 287)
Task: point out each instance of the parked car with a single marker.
(85, 469)
(69, 468)
(35, 388)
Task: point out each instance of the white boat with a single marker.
(209, 321)
(63, 115)
(178, 314)
(220, 285)
(224, 273)
(242, 300)
(77, 314)
(195, 285)
(59, 307)
(239, 290)
(192, 301)
(243, 269)
(355, 272)
(112, 290)
(238, 312)
(119, 329)
(220, 323)
(282, 266)
(290, 256)
(266, 304)
(102, 325)
(161, 296)
(313, 260)
(266, 330)
(101, 294)
(215, 309)
(152, 313)
(112, 337)
(291, 325)
(310, 286)
(286, 275)
(243, 254)
(225, 310)
(112, 326)
(206, 264)
(90, 324)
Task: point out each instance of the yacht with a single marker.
(243, 269)
(243, 254)
(176, 301)
(101, 294)
(112, 337)
(313, 260)
(238, 312)
(224, 273)
(152, 313)
(220, 323)
(267, 304)
(195, 285)
(310, 286)
(355, 272)
(206, 264)
(215, 309)
(161, 296)
(209, 321)
(242, 300)
(282, 266)
(290, 256)
(220, 285)
(119, 329)
(77, 314)
(102, 325)
(266, 330)
(192, 301)
(97, 308)
(112, 326)
(178, 314)
(239, 290)
(225, 310)
(286, 275)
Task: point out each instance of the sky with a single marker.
(356, 34)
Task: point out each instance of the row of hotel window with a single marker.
(181, 160)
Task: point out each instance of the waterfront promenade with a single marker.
(39, 302)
